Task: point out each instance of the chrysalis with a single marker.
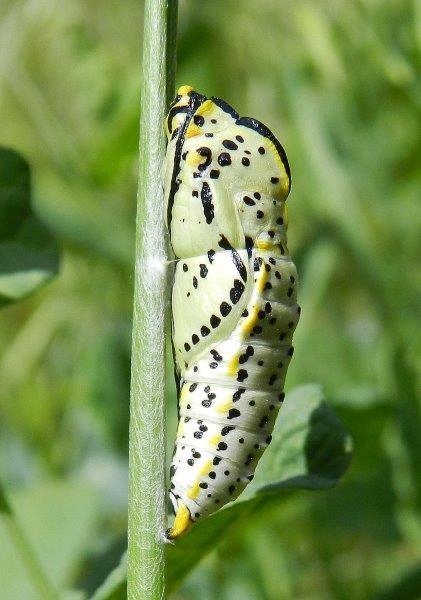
(233, 301)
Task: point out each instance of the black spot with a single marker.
(195, 282)
(186, 347)
(203, 270)
(195, 369)
(198, 120)
(213, 365)
(195, 338)
(216, 356)
(214, 121)
(260, 363)
(264, 421)
(291, 351)
(226, 473)
(173, 469)
(280, 221)
(204, 331)
(198, 434)
(206, 402)
(247, 200)
(231, 489)
(261, 314)
(207, 154)
(239, 265)
(229, 144)
(245, 161)
(271, 234)
(268, 439)
(214, 174)
(242, 375)
(278, 275)
(214, 321)
(211, 254)
(247, 152)
(252, 403)
(225, 430)
(268, 285)
(211, 396)
(208, 135)
(222, 446)
(249, 245)
(192, 387)
(245, 313)
(239, 138)
(237, 395)
(212, 475)
(203, 485)
(260, 214)
(272, 379)
(203, 428)
(274, 179)
(249, 459)
(272, 321)
(206, 198)
(233, 413)
(197, 454)
(224, 159)
(185, 267)
(236, 291)
(195, 193)
(217, 460)
(190, 462)
(197, 515)
(241, 441)
(261, 150)
(224, 243)
(225, 309)
(257, 329)
(257, 195)
(250, 477)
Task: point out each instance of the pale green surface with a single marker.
(338, 82)
(58, 519)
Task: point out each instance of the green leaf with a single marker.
(310, 450)
(28, 251)
(115, 586)
(58, 520)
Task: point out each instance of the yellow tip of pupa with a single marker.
(182, 522)
(184, 90)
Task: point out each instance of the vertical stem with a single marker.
(147, 494)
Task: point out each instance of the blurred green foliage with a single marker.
(338, 83)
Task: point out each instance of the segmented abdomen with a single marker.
(233, 389)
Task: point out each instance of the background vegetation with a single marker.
(337, 82)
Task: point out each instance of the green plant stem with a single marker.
(147, 494)
(26, 553)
